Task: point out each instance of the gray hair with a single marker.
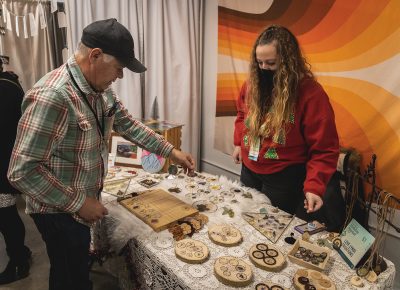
(84, 50)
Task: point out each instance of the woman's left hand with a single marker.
(312, 202)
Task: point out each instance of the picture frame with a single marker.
(126, 153)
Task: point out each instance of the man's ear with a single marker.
(95, 54)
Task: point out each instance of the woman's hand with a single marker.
(237, 155)
(312, 202)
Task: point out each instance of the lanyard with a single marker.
(101, 127)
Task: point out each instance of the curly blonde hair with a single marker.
(270, 109)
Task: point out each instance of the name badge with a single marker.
(254, 150)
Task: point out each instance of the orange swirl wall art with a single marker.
(353, 48)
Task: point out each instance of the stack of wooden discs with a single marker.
(233, 271)
(225, 235)
(267, 257)
(191, 251)
(309, 279)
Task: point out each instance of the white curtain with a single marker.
(168, 41)
(34, 56)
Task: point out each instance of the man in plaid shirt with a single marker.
(60, 151)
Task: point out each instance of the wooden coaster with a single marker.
(269, 286)
(357, 281)
(191, 251)
(267, 257)
(233, 271)
(309, 279)
(225, 235)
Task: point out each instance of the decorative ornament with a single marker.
(172, 171)
(290, 240)
(271, 154)
(228, 211)
(247, 195)
(357, 282)
(152, 162)
(205, 206)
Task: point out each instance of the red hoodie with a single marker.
(311, 139)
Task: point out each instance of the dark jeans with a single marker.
(13, 230)
(284, 188)
(67, 243)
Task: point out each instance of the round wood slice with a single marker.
(304, 278)
(191, 251)
(269, 286)
(233, 271)
(225, 235)
(267, 257)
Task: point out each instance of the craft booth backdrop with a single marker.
(353, 48)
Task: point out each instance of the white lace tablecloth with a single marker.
(151, 255)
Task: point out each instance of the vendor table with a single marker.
(147, 259)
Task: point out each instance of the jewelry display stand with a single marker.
(385, 202)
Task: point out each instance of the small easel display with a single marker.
(158, 209)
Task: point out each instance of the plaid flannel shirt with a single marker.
(56, 160)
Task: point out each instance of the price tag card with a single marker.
(354, 243)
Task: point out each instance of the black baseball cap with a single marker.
(114, 39)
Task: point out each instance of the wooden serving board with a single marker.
(191, 251)
(225, 235)
(304, 279)
(267, 257)
(233, 271)
(158, 209)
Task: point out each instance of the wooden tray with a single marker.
(158, 209)
(315, 249)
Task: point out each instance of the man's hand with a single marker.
(92, 210)
(312, 202)
(182, 158)
(237, 155)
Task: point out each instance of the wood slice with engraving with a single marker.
(269, 286)
(306, 279)
(191, 251)
(158, 208)
(233, 271)
(267, 257)
(225, 235)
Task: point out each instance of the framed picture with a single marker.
(126, 153)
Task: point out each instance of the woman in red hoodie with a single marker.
(285, 131)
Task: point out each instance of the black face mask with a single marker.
(267, 77)
(266, 85)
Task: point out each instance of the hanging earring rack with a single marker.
(369, 177)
